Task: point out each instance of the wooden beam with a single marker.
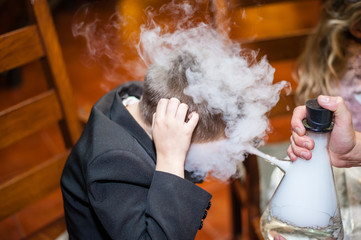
(31, 186)
(36, 112)
(58, 69)
(280, 48)
(19, 47)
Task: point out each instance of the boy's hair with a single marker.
(326, 54)
(170, 81)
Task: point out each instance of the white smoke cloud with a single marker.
(230, 80)
(101, 27)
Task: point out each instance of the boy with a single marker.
(125, 177)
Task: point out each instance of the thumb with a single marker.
(336, 105)
(343, 134)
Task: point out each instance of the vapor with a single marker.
(233, 81)
(229, 78)
(105, 42)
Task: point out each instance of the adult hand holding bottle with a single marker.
(344, 144)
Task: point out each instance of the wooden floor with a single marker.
(88, 83)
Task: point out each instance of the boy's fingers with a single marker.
(182, 112)
(162, 107)
(193, 120)
(172, 107)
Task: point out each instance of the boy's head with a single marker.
(170, 81)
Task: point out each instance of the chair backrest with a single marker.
(55, 105)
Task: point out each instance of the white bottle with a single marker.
(305, 206)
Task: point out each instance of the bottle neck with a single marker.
(318, 136)
(321, 142)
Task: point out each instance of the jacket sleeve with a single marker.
(133, 201)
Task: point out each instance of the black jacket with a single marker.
(111, 189)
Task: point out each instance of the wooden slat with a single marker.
(58, 69)
(28, 117)
(246, 190)
(250, 3)
(19, 47)
(31, 186)
(280, 48)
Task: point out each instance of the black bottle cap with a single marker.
(317, 119)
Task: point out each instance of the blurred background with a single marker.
(275, 28)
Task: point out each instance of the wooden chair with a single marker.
(55, 105)
(245, 192)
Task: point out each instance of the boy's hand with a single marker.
(172, 135)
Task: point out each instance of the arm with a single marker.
(345, 143)
(132, 201)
